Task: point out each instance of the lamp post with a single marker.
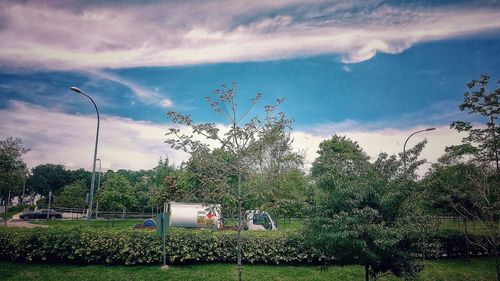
(404, 146)
(78, 91)
(98, 187)
(99, 178)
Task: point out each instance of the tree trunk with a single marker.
(497, 264)
(240, 227)
(466, 240)
(238, 245)
(495, 152)
(5, 214)
(367, 272)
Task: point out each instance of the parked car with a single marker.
(41, 214)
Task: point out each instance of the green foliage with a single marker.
(453, 243)
(280, 183)
(168, 183)
(284, 194)
(132, 176)
(14, 210)
(483, 142)
(448, 188)
(48, 177)
(84, 245)
(12, 167)
(116, 193)
(80, 175)
(369, 213)
(338, 157)
(73, 195)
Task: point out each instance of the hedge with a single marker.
(82, 245)
(454, 243)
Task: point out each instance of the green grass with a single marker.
(130, 223)
(12, 211)
(118, 224)
(282, 224)
(480, 269)
(290, 224)
(473, 227)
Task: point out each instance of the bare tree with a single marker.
(485, 210)
(231, 154)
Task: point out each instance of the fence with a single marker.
(79, 213)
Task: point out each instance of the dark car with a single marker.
(41, 214)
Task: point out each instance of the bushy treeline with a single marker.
(142, 191)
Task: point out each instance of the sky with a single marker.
(375, 71)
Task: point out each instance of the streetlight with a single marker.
(404, 146)
(78, 91)
(98, 187)
(99, 178)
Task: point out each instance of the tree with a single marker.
(283, 193)
(234, 155)
(448, 189)
(73, 195)
(392, 167)
(211, 179)
(281, 183)
(478, 159)
(132, 176)
(116, 193)
(159, 179)
(482, 142)
(80, 175)
(363, 215)
(12, 168)
(484, 197)
(48, 177)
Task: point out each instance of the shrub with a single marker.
(83, 245)
(453, 244)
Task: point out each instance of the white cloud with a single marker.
(375, 141)
(346, 68)
(60, 138)
(190, 32)
(166, 103)
(145, 95)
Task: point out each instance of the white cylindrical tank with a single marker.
(193, 215)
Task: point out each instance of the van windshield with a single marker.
(262, 219)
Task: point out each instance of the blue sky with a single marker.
(374, 71)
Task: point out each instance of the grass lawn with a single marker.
(281, 224)
(473, 226)
(118, 224)
(12, 211)
(479, 269)
(130, 223)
